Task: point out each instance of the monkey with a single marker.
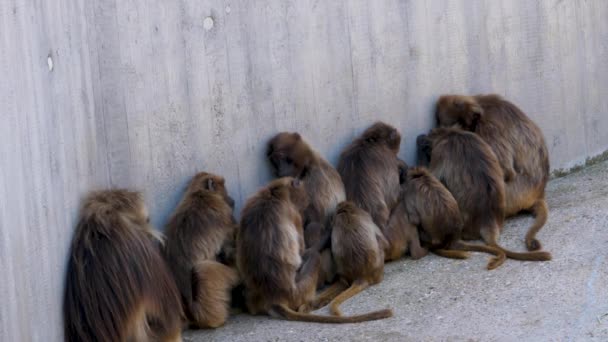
(199, 237)
(290, 155)
(430, 206)
(358, 248)
(469, 169)
(370, 171)
(403, 236)
(518, 144)
(279, 274)
(118, 287)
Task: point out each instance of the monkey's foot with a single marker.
(533, 244)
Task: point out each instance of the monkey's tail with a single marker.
(287, 313)
(526, 256)
(540, 212)
(495, 250)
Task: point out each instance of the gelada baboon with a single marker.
(358, 248)
(280, 276)
(118, 286)
(370, 171)
(468, 167)
(430, 206)
(518, 144)
(403, 236)
(200, 233)
(291, 156)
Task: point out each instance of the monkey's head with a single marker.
(289, 155)
(415, 172)
(290, 189)
(424, 147)
(103, 206)
(211, 183)
(383, 134)
(458, 111)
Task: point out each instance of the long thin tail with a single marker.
(526, 256)
(540, 212)
(287, 313)
(353, 290)
(323, 298)
(497, 251)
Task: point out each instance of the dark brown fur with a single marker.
(430, 206)
(468, 167)
(358, 248)
(370, 170)
(118, 285)
(291, 156)
(199, 234)
(518, 144)
(279, 277)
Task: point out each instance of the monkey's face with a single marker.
(423, 149)
(381, 133)
(287, 155)
(458, 111)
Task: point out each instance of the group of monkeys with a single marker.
(312, 237)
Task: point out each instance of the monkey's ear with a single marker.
(297, 136)
(210, 184)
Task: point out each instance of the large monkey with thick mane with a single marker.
(118, 286)
(518, 144)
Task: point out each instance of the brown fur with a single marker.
(358, 248)
(291, 156)
(518, 144)
(370, 170)
(279, 277)
(118, 285)
(430, 206)
(199, 234)
(468, 167)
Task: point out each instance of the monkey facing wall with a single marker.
(118, 286)
(200, 234)
(468, 167)
(518, 144)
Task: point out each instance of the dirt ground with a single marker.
(437, 299)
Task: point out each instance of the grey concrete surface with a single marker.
(438, 299)
(144, 93)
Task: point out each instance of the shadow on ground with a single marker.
(437, 299)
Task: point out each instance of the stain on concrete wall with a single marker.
(143, 94)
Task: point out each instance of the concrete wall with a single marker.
(142, 94)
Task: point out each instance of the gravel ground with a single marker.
(438, 299)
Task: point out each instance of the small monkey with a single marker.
(200, 234)
(518, 144)
(468, 168)
(291, 156)
(118, 286)
(280, 276)
(358, 248)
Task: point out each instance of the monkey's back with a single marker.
(115, 276)
(469, 169)
(325, 189)
(268, 252)
(355, 247)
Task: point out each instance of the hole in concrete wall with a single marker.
(49, 62)
(208, 23)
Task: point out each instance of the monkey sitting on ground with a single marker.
(403, 236)
(430, 206)
(118, 286)
(358, 248)
(370, 170)
(518, 144)
(279, 276)
(291, 156)
(199, 232)
(468, 168)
